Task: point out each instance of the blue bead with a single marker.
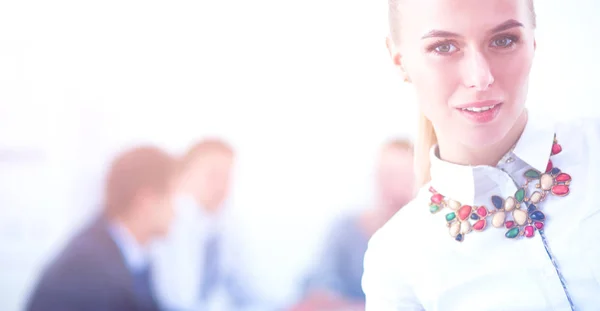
(459, 237)
(537, 216)
(474, 216)
(555, 171)
(531, 208)
(497, 201)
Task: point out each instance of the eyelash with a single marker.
(433, 48)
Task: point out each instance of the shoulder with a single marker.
(581, 125)
(82, 259)
(401, 235)
(405, 219)
(345, 225)
(579, 138)
(61, 280)
(394, 258)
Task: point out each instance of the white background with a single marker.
(303, 89)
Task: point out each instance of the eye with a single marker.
(503, 42)
(445, 48)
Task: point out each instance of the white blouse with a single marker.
(413, 262)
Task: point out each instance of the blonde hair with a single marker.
(426, 136)
(426, 139)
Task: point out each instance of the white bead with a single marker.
(454, 205)
(520, 217)
(546, 181)
(509, 204)
(536, 197)
(498, 220)
(455, 229)
(465, 227)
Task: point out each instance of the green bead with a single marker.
(520, 195)
(434, 208)
(450, 216)
(512, 233)
(532, 174)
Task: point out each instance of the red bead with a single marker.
(556, 148)
(549, 167)
(437, 198)
(539, 225)
(509, 224)
(479, 225)
(482, 211)
(560, 190)
(529, 231)
(464, 212)
(563, 177)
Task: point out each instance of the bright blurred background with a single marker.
(303, 90)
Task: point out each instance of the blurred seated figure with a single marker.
(198, 265)
(106, 266)
(336, 282)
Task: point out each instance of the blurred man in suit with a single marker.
(198, 263)
(106, 266)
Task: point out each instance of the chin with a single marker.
(162, 232)
(483, 136)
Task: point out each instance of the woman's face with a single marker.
(469, 62)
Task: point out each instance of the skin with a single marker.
(395, 186)
(209, 179)
(150, 215)
(467, 51)
(395, 179)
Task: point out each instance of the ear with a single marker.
(396, 58)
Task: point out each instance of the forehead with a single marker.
(215, 159)
(464, 17)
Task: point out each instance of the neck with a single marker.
(135, 228)
(487, 155)
(199, 197)
(205, 203)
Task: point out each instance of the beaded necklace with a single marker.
(519, 214)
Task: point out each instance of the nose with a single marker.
(477, 72)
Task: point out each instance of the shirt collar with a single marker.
(190, 211)
(458, 181)
(136, 256)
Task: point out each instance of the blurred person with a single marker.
(336, 283)
(508, 215)
(198, 262)
(106, 266)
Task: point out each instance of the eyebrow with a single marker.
(511, 23)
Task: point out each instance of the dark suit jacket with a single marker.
(90, 274)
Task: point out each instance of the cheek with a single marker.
(512, 76)
(435, 85)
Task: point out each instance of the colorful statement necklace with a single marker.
(525, 216)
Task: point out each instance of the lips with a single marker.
(480, 109)
(480, 112)
(479, 106)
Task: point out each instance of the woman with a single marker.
(507, 218)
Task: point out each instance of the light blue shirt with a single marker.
(179, 261)
(137, 257)
(340, 268)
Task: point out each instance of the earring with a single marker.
(406, 78)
